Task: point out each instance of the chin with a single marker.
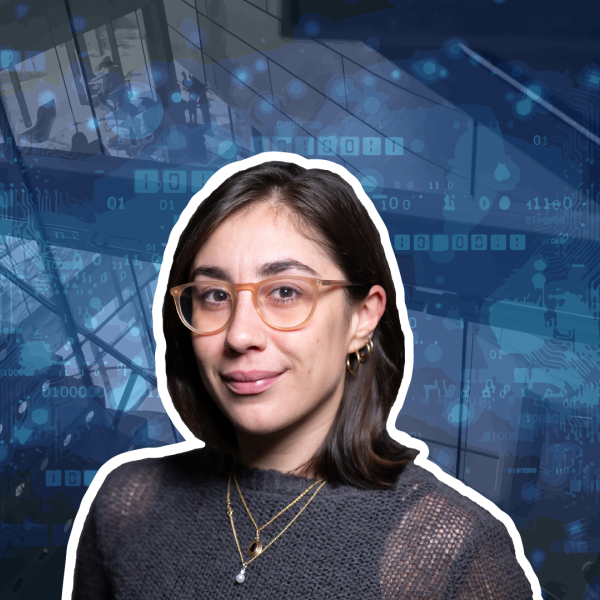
(255, 420)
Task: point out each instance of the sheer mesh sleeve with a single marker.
(119, 510)
(488, 568)
(90, 578)
(444, 549)
(425, 541)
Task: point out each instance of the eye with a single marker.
(284, 292)
(216, 295)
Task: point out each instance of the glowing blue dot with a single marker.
(504, 203)
(241, 77)
(312, 28)
(79, 23)
(417, 145)
(396, 74)
(266, 107)
(433, 353)
(534, 92)
(372, 43)
(156, 74)
(176, 140)
(372, 105)
(429, 68)
(260, 65)
(523, 108)
(46, 97)
(192, 36)
(443, 72)
(196, 39)
(262, 40)
(369, 80)
(92, 124)
(135, 331)
(21, 10)
(138, 361)
(296, 87)
(454, 49)
(39, 416)
(340, 89)
(369, 183)
(509, 96)
(227, 149)
(176, 97)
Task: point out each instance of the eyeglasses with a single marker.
(284, 303)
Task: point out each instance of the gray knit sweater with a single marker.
(158, 528)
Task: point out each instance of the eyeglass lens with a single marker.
(206, 307)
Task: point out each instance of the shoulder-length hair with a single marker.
(358, 449)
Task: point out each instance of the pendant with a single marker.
(255, 548)
(240, 577)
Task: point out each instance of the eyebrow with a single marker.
(267, 270)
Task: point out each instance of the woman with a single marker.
(284, 354)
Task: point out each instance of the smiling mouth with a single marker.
(251, 382)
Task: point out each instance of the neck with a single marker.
(286, 450)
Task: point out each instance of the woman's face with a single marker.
(265, 380)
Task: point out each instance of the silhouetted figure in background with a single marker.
(109, 78)
(46, 114)
(80, 144)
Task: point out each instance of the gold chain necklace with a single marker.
(256, 548)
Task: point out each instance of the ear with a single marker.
(366, 316)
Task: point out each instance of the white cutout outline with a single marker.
(191, 442)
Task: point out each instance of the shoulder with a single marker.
(428, 495)
(432, 511)
(136, 486)
(439, 527)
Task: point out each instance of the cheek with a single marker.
(323, 351)
(205, 351)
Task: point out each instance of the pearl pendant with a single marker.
(240, 577)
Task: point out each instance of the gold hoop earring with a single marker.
(369, 346)
(357, 362)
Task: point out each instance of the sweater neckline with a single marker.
(273, 481)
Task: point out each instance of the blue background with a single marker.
(473, 128)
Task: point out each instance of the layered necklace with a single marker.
(255, 548)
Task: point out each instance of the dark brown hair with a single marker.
(358, 449)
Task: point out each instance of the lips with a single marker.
(251, 382)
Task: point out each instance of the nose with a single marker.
(246, 329)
